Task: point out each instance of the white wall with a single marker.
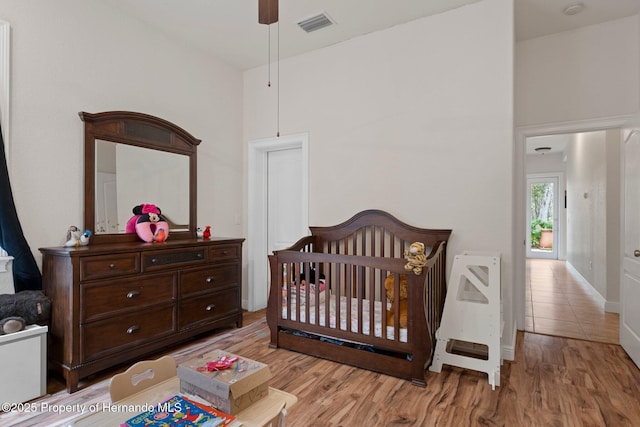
(545, 163)
(594, 199)
(587, 213)
(591, 72)
(73, 55)
(415, 120)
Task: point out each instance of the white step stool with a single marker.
(472, 316)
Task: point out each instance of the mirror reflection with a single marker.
(127, 175)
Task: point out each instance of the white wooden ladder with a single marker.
(471, 326)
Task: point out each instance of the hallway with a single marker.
(560, 304)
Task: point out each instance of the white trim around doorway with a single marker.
(257, 268)
(519, 192)
(559, 215)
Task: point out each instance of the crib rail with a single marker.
(353, 285)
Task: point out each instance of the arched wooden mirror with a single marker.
(134, 158)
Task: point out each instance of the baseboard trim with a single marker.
(509, 349)
(585, 282)
(612, 306)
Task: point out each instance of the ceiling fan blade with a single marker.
(267, 11)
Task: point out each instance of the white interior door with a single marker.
(630, 291)
(284, 217)
(542, 204)
(277, 206)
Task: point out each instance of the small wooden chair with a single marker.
(141, 375)
(278, 420)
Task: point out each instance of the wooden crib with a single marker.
(341, 270)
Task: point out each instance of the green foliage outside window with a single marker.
(541, 210)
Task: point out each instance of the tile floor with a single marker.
(561, 304)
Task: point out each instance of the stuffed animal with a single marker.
(146, 222)
(11, 324)
(23, 308)
(75, 237)
(389, 285)
(416, 258)
(160, 235)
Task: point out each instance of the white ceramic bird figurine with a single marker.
(84, 239)
(73, 236)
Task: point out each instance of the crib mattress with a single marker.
(343, 306)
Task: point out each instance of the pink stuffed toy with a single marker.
(148, 223)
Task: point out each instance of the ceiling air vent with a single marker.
(315, 22)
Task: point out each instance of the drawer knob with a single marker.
(133, 329)
(199, 255)
(154, 260)
(211, 279)
(225, 252)
(133, 294)
(112, 266)
(210, 307)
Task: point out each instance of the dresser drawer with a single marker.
(103, 298)
(209, 307)
(208, 279)
(225, 252)
(100, 267)
(158, 260)
(110, 335)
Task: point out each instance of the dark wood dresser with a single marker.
(114, 303)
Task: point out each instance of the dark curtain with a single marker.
(26, 275)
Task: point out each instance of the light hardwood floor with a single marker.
(559, 303)
(553, 382)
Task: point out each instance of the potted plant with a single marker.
(541, 234)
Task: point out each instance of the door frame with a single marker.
(629, 340)
(257, 221)
(519, 194)
(557, 228)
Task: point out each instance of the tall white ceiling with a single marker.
(229, 29)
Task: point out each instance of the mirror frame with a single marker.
(141, 130)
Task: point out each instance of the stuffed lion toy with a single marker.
(389, 285)
(416, 258)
